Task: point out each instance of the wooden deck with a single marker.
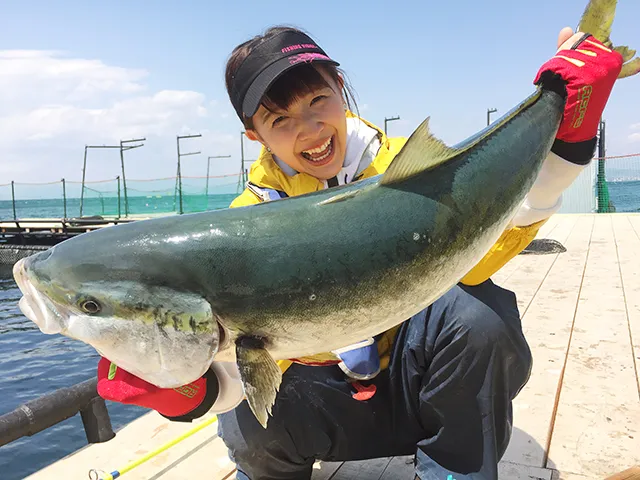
(59, 229)
(578, 418)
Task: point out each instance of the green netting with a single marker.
(620, 189)
(32, 200)
(100, 198)
(191, 194)
(109, 198)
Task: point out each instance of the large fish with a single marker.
(163, 298)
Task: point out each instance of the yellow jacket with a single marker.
(266, 173)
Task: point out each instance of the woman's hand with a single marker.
(589, 70)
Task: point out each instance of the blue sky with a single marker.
(75, 73)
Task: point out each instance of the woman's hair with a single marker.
(294, 83)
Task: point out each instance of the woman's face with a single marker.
(310, 136)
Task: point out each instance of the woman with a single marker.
(440, 385)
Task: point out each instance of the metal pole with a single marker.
(603, 198)
(13, 201)
(64, 198)
(390, 119)
(125, 196)
(179, 169)
(124, 178)
(84, 169)
(489, 112)
(126, 203)
(208, 165)
(96, 421)
(50, 409)
(179, 176)
(206, 188)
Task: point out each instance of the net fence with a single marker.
(117, 197)
(618, 183)
(615, 184)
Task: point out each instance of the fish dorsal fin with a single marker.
(422, 152)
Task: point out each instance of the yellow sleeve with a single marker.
(246, 198)
(510, 244)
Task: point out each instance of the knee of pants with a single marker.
(244, 436)
(486, 316)
(274, 452)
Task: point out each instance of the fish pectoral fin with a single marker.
(422, 152)
(261, 376)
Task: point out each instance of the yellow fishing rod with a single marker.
(94, 475)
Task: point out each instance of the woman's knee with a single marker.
(489, 314)
(261, 452)
(473, 321)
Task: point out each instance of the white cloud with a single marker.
(635, 137)
(51, 105)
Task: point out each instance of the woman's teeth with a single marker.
(319, 153)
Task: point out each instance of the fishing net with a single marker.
(110, 198)
(200, 194)
(620, 191)
(95, 198)
(186, 195)
(10, 254)
(31, 200)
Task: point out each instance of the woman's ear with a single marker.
(253, 135)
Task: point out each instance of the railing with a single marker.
(53, 408)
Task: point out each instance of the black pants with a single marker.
(446, 397)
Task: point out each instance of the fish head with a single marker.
(165, 335)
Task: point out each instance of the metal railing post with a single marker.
(64, 198)
(96, 421)
(13, 200)
(118, 178)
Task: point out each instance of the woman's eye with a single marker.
(277, 121)
(318, 98)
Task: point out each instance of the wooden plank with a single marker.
(202, 455)
(597, 425)
(362, 469)
(324, 470)
(574, 476)
(505, 272)
(627, 239)
(528, 278)
(514, 471)
(547, 327)
(401, 468)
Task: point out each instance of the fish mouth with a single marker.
(33, 304)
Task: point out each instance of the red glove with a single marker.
(589, 70)
(182, 404)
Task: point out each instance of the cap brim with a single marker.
(265, 79)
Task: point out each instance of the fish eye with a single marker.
(90, 306)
